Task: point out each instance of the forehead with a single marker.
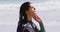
(31, 5)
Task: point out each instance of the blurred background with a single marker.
(47, 10)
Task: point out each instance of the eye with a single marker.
(34, 9)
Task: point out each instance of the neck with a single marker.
(29, 17)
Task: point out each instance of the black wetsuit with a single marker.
(27, 27)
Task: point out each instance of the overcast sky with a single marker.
(47, 10)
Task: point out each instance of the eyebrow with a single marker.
(33, 7)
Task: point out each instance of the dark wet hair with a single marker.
(22, 15)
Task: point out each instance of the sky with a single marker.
(47, 10)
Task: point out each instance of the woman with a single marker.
(25, 24)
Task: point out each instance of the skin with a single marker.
(31, 12)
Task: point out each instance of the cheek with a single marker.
(31, 13)
(32, 10)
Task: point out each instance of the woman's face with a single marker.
(31, 11)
